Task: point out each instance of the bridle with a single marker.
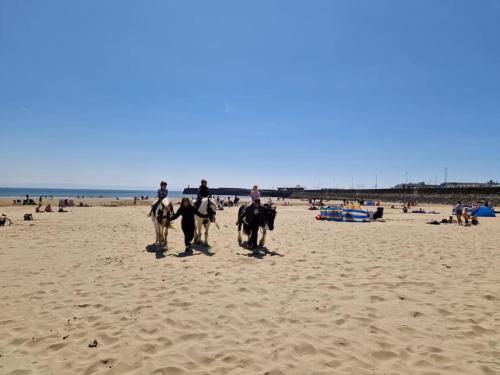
(166, 211)
(210, 211)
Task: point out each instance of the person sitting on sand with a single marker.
(48, 208)
(255, 193)
(161, 194)
(187, 211)
(467, 216)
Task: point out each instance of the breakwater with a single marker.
(433, 195)
(240, 192)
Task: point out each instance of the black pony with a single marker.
(266, 221)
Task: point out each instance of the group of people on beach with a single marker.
(189, 210)
(462, 212)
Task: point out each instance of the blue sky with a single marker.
(101, 93)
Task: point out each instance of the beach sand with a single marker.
(393, 297)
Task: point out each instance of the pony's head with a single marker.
(269, 215)
(211, 209)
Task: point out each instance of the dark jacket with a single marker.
(254, 215)
(162, 193)
(187, 214)
(203, 192)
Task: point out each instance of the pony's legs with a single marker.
(206, 233)
(239, 237)
(197, 232)
(157, 232)
(162, 236)
(263, 239)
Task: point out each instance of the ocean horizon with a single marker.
(20, 192)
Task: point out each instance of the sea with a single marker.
(9, 192)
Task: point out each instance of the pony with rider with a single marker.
(195, 217)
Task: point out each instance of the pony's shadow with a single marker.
(259, 253)
(157, 250)
(201, 250)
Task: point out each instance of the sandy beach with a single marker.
(393, 297)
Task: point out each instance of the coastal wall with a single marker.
(434, 195)
(225, 192)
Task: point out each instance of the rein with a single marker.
(210, 213)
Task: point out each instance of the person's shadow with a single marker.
(258, 253)
(201, 250)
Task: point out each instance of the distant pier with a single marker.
(434, 194)
(226, 192)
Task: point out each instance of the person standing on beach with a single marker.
(255, 193)
(187, 211)
(203, 192)
(458, 212)
(161, 194)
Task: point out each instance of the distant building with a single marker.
(297, 188)
(490, 183)
(414, 185)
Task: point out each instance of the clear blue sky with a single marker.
(125, 93)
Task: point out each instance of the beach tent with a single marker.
(359, 216)
(331, 213)
(344, 214)
(484, 211)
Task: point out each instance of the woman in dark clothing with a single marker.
(187, 211)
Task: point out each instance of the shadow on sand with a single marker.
(157, 250)
(258, 253)
(160, 252)
(200, 249)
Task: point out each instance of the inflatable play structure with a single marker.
(344, 214)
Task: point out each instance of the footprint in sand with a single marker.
(169, 370)
(376, 299)
(384, 355)
(489, 297)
